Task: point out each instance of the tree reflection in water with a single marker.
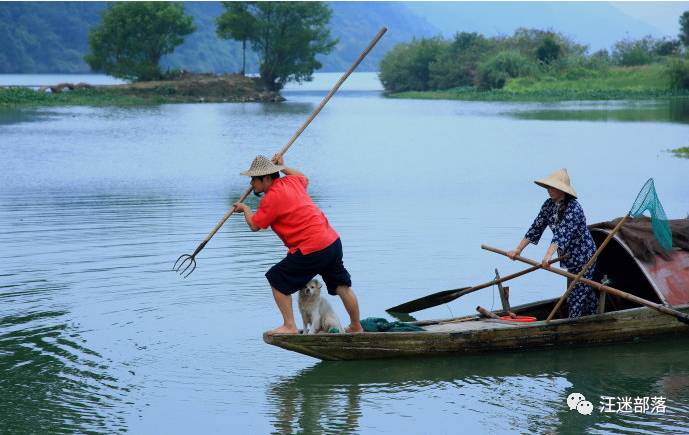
(671, 110)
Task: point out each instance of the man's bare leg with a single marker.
(284, 303)
(352, 306)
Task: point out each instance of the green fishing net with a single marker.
(647, 200)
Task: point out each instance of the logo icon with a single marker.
(578, 401)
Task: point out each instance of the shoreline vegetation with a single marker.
(186, 88)
(536, 65)
(617, 83)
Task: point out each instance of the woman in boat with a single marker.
(571, 237)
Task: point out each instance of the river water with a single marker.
(98, 335)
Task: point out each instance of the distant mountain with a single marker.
(355, 24)
(52, 37)
(44, 37)
(597, 24)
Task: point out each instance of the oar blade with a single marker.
(428, 301)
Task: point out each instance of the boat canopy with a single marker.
(635, 263)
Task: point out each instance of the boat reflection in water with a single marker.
(523, 392)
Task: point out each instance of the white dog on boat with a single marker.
(316, 312)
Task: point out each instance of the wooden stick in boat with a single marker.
(487, 313)
(682, 317)
(504, 296)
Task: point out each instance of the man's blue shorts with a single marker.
(296, 270)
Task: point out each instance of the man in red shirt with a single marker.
(314, 248)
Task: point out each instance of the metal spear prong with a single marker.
(187, 261)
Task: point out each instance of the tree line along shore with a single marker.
(530, 64)
(615, 83)
(534, 64)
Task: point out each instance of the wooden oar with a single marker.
(682, 317)
(446, 296)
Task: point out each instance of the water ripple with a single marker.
(98, 334)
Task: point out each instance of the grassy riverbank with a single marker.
(615, 83)
(25, 97)
(191, 89)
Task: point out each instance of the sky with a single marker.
(663, 15)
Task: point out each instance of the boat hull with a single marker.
(474, 336)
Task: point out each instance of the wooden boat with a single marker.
(662, 281)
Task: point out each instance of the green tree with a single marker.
(458, 64)
(677, 71)
(497, 70)
(133, 36)
(667, 47)
(684, 29)
(629, 52)
(238, 24)
(287, 36)
(549, 50)
(407, 66)
(541, 44)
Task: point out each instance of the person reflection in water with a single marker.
(314, 248)
(317, 400)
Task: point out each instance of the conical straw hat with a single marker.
(559, 180)
(262, 166)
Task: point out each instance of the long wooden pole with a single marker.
(289, 143)
(682, 317)
(586, 267)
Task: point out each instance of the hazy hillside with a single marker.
(597, 24)
(663, 15)
(44, 37)
(355, 23)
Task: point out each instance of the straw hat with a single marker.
(262, 166)
(559, 180)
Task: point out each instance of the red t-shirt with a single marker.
(291, 213)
